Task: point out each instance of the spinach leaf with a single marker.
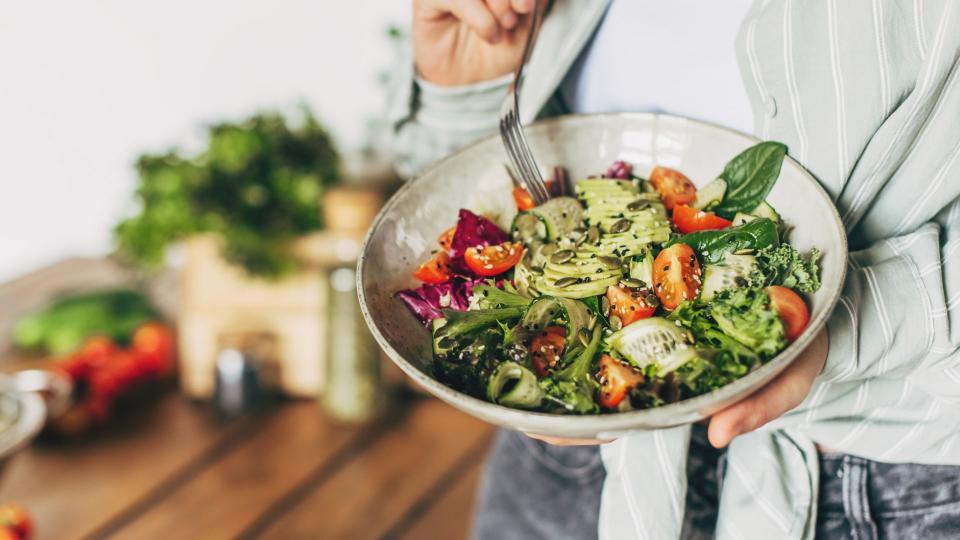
(712, 245)
(750, 177)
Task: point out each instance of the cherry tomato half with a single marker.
(688, 220)
(791, 309)
(446, 239)
(493, 260)
(16, 521)
(674, 188)
(546, 348)
(676, 275)
(523, 199)
(631, 304)
(435, 270)
(616, 380)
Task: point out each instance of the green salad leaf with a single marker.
(460, 323)
(720, 360)
(750, 177)
(573, 386)
(507, 297)
(712, 245)
(747, 316)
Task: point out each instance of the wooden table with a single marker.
(176, 472)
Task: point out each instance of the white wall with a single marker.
(87, 85)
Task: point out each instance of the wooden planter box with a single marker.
(219, 299)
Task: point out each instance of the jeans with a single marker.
(534, 490)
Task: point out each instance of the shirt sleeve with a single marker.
(430, 121)
(899, 313)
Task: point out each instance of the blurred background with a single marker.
(184, 188)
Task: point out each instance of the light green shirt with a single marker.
(866, 94)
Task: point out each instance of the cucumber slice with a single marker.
(547, 222)
(764, 210)
(560, 215)
(710, 194)
(513, 385)
(528, 228)
(547, 310)
(726, 274)
(650, 341)
(740, 218)
(438, 347)
(641, 267)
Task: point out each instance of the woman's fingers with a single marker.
(504, 13)
(780, 396)
(523, 6)
(477, 15)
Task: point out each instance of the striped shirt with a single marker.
(866, 94)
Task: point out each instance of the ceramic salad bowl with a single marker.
(405, 231)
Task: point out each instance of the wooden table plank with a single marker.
(449, 516)
(228, 496)
(373, 492)
(73, 488)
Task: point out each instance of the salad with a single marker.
(618, 293)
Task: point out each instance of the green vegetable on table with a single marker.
(66, 323)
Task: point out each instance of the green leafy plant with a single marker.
(257, 185)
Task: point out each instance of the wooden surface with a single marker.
(174, 471)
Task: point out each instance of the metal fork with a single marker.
(511, 130)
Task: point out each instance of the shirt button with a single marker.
(771, 106)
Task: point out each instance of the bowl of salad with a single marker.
(678, 267)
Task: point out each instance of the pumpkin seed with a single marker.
(593, 235)
(610, 262)
(619, 226)
(604, 306)
(580, 240)
(630, 282)
(652, 300)
(638, 205)
(537, 270)
(565, 282)
(562, 256)
(616, 323)
(548, 250)
(584, 336)
(625, 269)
